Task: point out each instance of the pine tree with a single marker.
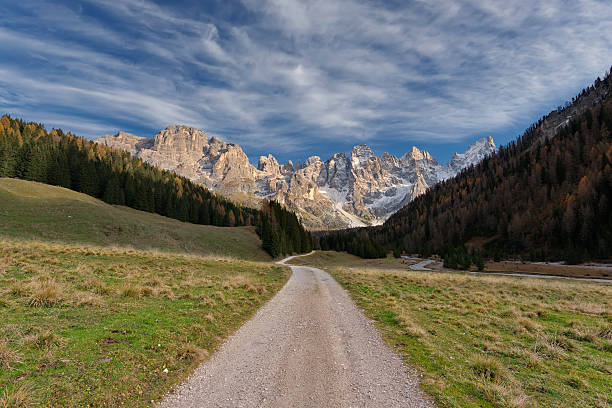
(113, 193)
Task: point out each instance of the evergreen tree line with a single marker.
(281, 232)
(356, 242)
(29, 152)
(459, 258)
(538, 198)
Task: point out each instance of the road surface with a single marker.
(422, 266)
(309, 346)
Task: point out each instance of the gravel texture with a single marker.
(309, 346)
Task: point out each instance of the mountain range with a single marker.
(545, 196)
(351, 190)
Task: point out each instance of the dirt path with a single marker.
(308, 347)
(422, 266)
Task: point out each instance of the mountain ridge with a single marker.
(351, 190)
(545, 196)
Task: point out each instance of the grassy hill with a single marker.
(104, 305)
(31, 210)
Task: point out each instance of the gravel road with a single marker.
(422, 266)
(309, 346)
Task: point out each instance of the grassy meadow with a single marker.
(488, 341)
(90, 326)
(106, 306)
(31, 210)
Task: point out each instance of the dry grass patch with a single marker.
(95, 285)
(130, 290)
(88, 299)
(528, 324)
(16, 288)
(487, 367)
(412, 329)
(44, 340)
(192, 352)
(605, 331)
(20, 396)
(45, 292)
(219, 295)
(8, 356)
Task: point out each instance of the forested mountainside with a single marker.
(548, 195)
(29, 152)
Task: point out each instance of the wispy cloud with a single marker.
(289, 75)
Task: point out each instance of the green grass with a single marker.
(489, 341)
(36, 211)
(98, 301)
(92, 326)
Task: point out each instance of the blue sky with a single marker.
(297, 77)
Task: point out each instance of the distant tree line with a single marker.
(460, 258)
(354, 241)
(535, 198)
(29, 152)
(281, 232)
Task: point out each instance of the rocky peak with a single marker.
(311, 161)
(485, 143)
(361, 154)
(390, 162)
(215, 140)
(180, 138)
(338, 162)
(268, 165)
(474, 154)
(125, 136)
(417, 154)
(122, 140)
(287, 168)
(335, 172)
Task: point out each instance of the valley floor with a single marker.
(486, 340)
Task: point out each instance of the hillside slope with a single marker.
(546, 196)
(31, 210)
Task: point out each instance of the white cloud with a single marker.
(300, 74)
